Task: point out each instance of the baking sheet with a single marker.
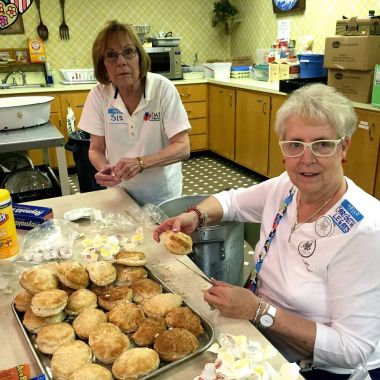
(43, 360)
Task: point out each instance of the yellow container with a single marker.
(36, 50)
(8, 236)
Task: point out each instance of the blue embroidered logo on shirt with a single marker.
(346, 216)
(152, 116)
(113, 110)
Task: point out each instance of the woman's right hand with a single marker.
(106, 177)
(186, 223)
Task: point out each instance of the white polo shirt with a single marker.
(159, 116)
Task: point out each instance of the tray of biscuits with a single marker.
(106, 320)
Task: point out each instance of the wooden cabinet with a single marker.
(362, 155)
(194, 99)
(252, 130)
(221, 116)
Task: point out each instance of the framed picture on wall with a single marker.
(285, 6)
(16, 28)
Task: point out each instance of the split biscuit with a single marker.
(87, 320)
(51, 337)
(127, 317)
(145, 288)
(135, 363)
(33, 322)
(37, 279)
(177, 242)
(101, 272)
(91, 372)
(131, 258)
(148, 330)
(73, 275)
(49, 302)
(115, 296)
(183, 317)
(81, 299)
(161, 304)
(126, 275)
(174, 344)
(23, 301)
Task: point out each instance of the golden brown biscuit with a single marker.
(148, 330)
(99, 289)
(126, 275)
(33, 322)
(87, 320)
(145, 288)
(51, 337)
(49, 302)
(23, 300)
(177, 242)
(37, 279)
(126, 317)
(73, 275)
(101, 273)
(183, 317)
(116, 296)
(135, 363)
(81, 299)
(107, 342)
(130, 258)
(70, 357)
(161, 304)
(174, 344)
(69, 291)
(91, 372)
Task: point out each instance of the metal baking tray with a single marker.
(43, 360)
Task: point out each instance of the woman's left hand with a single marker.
(232, 301)
(127, 168)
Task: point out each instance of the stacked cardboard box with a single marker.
(351, 61)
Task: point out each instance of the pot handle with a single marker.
(169, 34)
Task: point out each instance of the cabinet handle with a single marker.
(264, 107)
(80, 105)
(184, 95)
(371, 130)
(231, 99)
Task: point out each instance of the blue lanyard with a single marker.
(253, 281)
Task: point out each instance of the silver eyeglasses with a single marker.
(320, 148)
(127, 53)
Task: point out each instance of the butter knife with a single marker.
(194, 271)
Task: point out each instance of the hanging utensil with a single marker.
(63, 28)
(42, 29)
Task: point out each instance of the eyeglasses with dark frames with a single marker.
(320, 148)
(127, 53)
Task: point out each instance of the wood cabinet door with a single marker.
(275, 165)
(192, 92)
(252, 130)
(362, 155)
(221, 119)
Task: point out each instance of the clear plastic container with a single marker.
(222, 70)
(261, 72)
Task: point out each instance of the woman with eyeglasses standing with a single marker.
(138, 125)
(315, 288)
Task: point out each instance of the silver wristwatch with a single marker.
(267, 319)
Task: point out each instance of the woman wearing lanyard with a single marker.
(315, 289)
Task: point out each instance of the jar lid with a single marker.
(4, 195)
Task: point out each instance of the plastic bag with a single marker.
(51, 240)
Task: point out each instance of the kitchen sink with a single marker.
(12, 86)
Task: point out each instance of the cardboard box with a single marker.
(376, 87)
(356, 85)
(352, 52)
(358, 27)
(28, 217)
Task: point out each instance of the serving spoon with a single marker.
(42, 29)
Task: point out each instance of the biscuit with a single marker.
(81, 299)
(144, 289)
(130, 258)
(101, 272)
(73, 275)
(126, 317)
(91, 372)
(51, 337)
(177, 242)
(135, 363)
(37, 279)
(116, 296)
(174, 344)
(99, 289)
(33, 322)
(49, 302)
(87, 320)
(183, 317)
(23, 301)
(126, 275)
(148, 330)
(68, 358)
(108, 342)
(161, 304)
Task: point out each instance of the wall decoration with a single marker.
(285, 6)
(16, 27)
(10, 15)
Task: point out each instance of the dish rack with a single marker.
(239, 74)
(78, 75)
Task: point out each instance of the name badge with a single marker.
(346, 216)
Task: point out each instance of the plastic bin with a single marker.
(78, 144)
(311, 66)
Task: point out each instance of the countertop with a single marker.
(246, 84)
(14, 350)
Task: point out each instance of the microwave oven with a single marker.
(166, 61)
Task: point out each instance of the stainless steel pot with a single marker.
(218, 249)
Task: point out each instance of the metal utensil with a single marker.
(63, 28)
(42, 29)
(194, 271)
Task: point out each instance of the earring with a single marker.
(344, 160)
(283, 160)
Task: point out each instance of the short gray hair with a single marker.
(319, 103)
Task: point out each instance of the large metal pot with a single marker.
(217, 249)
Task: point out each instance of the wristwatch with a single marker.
(267, 319)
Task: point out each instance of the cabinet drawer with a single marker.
(192, 93)
(198, 142)
(198, 126)
(196, 109)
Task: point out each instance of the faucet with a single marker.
(23, 75)
(8, 75)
